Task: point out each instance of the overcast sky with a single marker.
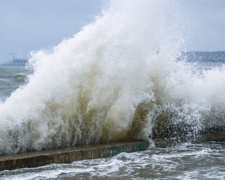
(27, 25)
(204, 24)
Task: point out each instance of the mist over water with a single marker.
(118, 79)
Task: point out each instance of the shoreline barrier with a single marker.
(41, 158)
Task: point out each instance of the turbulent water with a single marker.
(122, 77)
(11, 78)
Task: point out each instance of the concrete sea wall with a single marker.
(40, 158)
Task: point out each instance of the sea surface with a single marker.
(11, 78)
(186, 160)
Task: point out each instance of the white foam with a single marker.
(112, 81)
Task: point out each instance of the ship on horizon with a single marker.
(19, 59)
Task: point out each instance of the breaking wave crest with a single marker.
(117, 79)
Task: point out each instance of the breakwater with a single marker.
(40, 158)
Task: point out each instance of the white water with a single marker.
(114, 80)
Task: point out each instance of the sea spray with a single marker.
(116, 80)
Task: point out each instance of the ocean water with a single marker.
(11, 78)
(123, 77)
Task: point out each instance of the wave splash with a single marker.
(117, 79)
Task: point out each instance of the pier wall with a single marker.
(40, 158)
